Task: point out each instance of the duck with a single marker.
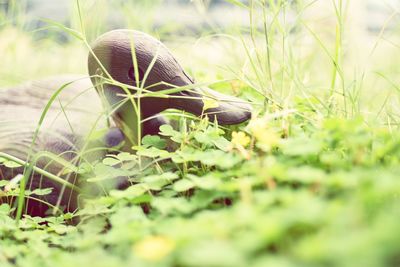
(130, 73)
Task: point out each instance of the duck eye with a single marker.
(131, 74)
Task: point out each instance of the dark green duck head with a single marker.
(156, 70)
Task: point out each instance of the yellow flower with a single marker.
(269, 140)
(266, 137)
(154, 248)
(240, 139)
(258, 127)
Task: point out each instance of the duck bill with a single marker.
(224, 109)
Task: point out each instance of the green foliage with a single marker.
(326, 195)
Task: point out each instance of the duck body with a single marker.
(98, 102)
(76, 113)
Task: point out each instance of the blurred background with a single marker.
(181, 16)
(320, 48)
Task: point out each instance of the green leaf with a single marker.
(154, 141)
(111, 161)
(183, 185)
(208, 182)
(41, 192)
(125, 156)
(11, 164)
(84, 168)
(131, 192)
(212, 252)
(153, 152)
(305, 174)
(5, 209)
(157, 182)
(202, 138)
(146, 198)
(172, 205)
(103, 172)
(219, 158)
(222, 143)
(167, 130)
(302, 146)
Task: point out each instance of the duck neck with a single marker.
(128, 120)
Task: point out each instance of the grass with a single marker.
(311, 180)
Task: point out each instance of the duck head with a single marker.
(155, 69)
